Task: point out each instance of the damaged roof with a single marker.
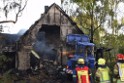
(60, 9)
(42, 16)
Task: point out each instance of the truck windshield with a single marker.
(84, 50)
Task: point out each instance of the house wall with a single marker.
(52, 17)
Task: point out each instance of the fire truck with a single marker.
(83, 49)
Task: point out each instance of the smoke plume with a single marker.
(45, 50)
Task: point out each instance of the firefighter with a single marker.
(69, 64)
(82, 73)
(119, 69)
(102, 72)
(69, 68)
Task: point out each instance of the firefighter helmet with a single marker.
(80, 61)
(101, 61)
(120, 56)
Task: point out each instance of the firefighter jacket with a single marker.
(102, 73)
(82, 74)
(119, 72)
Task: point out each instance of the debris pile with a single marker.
(49, 73)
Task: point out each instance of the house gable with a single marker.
(55, 24)
(54, 15)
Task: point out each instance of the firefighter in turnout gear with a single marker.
(102, 72)
(82, 73)
(119, 69)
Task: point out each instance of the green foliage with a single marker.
(120, 38)
(3, 60)
(114, 42)
(122, 21)
(94, 14)
(121, 50)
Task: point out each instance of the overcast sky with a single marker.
(31, 13)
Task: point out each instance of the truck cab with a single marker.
(83, 49)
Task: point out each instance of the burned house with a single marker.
(45, 35)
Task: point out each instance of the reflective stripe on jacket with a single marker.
(82, 74)
(121, 70)
(103, 74)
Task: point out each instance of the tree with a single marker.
(93, 14)
(10, 10)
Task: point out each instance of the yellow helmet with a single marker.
(80, 61)
(101, 61)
